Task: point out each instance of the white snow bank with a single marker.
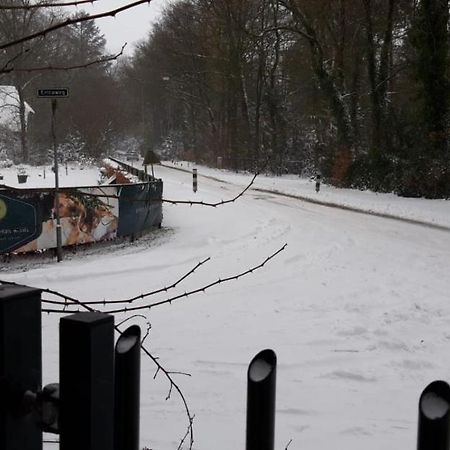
(436, 212)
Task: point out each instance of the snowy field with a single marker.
(356, 308)
(42, 176)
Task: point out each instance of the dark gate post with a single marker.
(434, 417)
(87, 381)
(20, 365)
(127, 389)
(261, 387)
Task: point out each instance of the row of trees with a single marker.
(73, 56)
(355, 89)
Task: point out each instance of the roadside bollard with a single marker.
(194, 180)
(127, 389)
(261, 389)
(434, 417)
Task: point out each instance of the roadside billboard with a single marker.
(88, 214)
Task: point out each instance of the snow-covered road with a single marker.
(356, 309)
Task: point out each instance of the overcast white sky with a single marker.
(129, 26)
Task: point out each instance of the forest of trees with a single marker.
(355, 89)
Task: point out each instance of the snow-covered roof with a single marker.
(9, 108)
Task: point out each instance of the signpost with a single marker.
(54, 94)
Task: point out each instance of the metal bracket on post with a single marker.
(20, 366)
(261, 390)
(87, 382)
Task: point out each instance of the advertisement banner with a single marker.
(19, 222)
(88, 214)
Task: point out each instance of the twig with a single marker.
(63, 68)
(162, 302)
(130, 300)
(45, 5)
(65, 23)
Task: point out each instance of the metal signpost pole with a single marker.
(55, 93)
(55, 166)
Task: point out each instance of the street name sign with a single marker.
(53, 92)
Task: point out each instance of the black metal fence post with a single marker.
(261, 390)
(87, 382)
(127, 389)
(20, 365)
(434, 417)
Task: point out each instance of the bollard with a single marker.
(86, 354)
(127, 389)
(20, 366)
(434, 417)
(194, 180)
(261, 390)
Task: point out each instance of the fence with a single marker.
(95, 406)
(87, 214)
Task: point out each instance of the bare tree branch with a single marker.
(63, 68)
(155, 304)
(65, 23)
(47, 5)
(159, 368)
(130, 300)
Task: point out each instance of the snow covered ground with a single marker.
(430, 211)
(356, 309)
(42, 176)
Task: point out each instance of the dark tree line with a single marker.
(71, 57)
(355, 89)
